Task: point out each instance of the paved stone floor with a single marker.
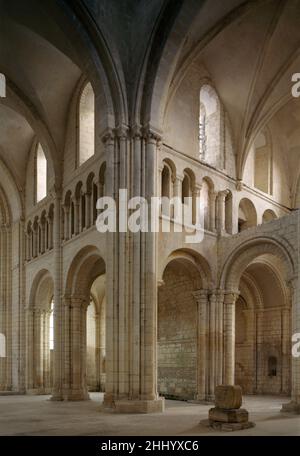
(35, 415)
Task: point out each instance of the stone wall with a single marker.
(177, 320)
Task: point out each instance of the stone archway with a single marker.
(85, 268)
(263, 330)
(39, 366)
(182, 327)
(246, 259)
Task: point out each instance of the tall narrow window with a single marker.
(210, 148)
(41, 174)
(86, 124)
(262, 164)
(51, 327)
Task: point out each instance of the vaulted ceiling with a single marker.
(250, 49)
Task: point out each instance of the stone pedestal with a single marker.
(227, 415)
(140, 406)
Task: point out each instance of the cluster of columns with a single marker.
(219, 204)
(79, 212)
(131, 383)
(38, 367)
(39, 236)
(215, 340)
(6, 308)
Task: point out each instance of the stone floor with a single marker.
(35, 415)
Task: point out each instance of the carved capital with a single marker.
(108, 136)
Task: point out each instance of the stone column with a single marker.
(37, 350)
(50, 234)
(212, 210)
(286, 349)
(111, 278)
(76, 216)
(201, 297)
(177, 192)
(229, 336)
(196, 216)
(212, 343)
(29, 348)
(221, 211)
(294, 405)
(131, 279)
(148, 315)
(67, 222)
(219, 336)
(88, 209)
(58, 361)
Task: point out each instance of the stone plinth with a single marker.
(227, 415)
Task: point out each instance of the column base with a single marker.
(139, 406)
(291, 407)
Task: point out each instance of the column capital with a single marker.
(108, 136)
(200, 295)
(136, 131)
(223, 194)
(151, 134)
(213, 193)
(230, 296)
(122, 132)
(239, 185)
(178, 178)
(55, 192)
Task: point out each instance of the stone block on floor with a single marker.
(228, 397)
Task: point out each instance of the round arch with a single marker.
(192, 259)
(39, 353)
(86, 266)
(240, 258)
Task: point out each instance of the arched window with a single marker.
(247, 215)
(186, 187)
(51, 326)
(165, 182)
(41, 174)
(268, 216)
(210, 150)
(86, 124)
(262, 163)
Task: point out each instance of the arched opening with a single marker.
(247, 216)
(40, 335)
(86, 147)
(262, 163)
(85, 291)
(268, 216)
(177, 329)
(41, 170)
(96, 374)
(210, 127)
(166, 182)
(206, 203)
(228, 213)
(263, 329)
(188, 195)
